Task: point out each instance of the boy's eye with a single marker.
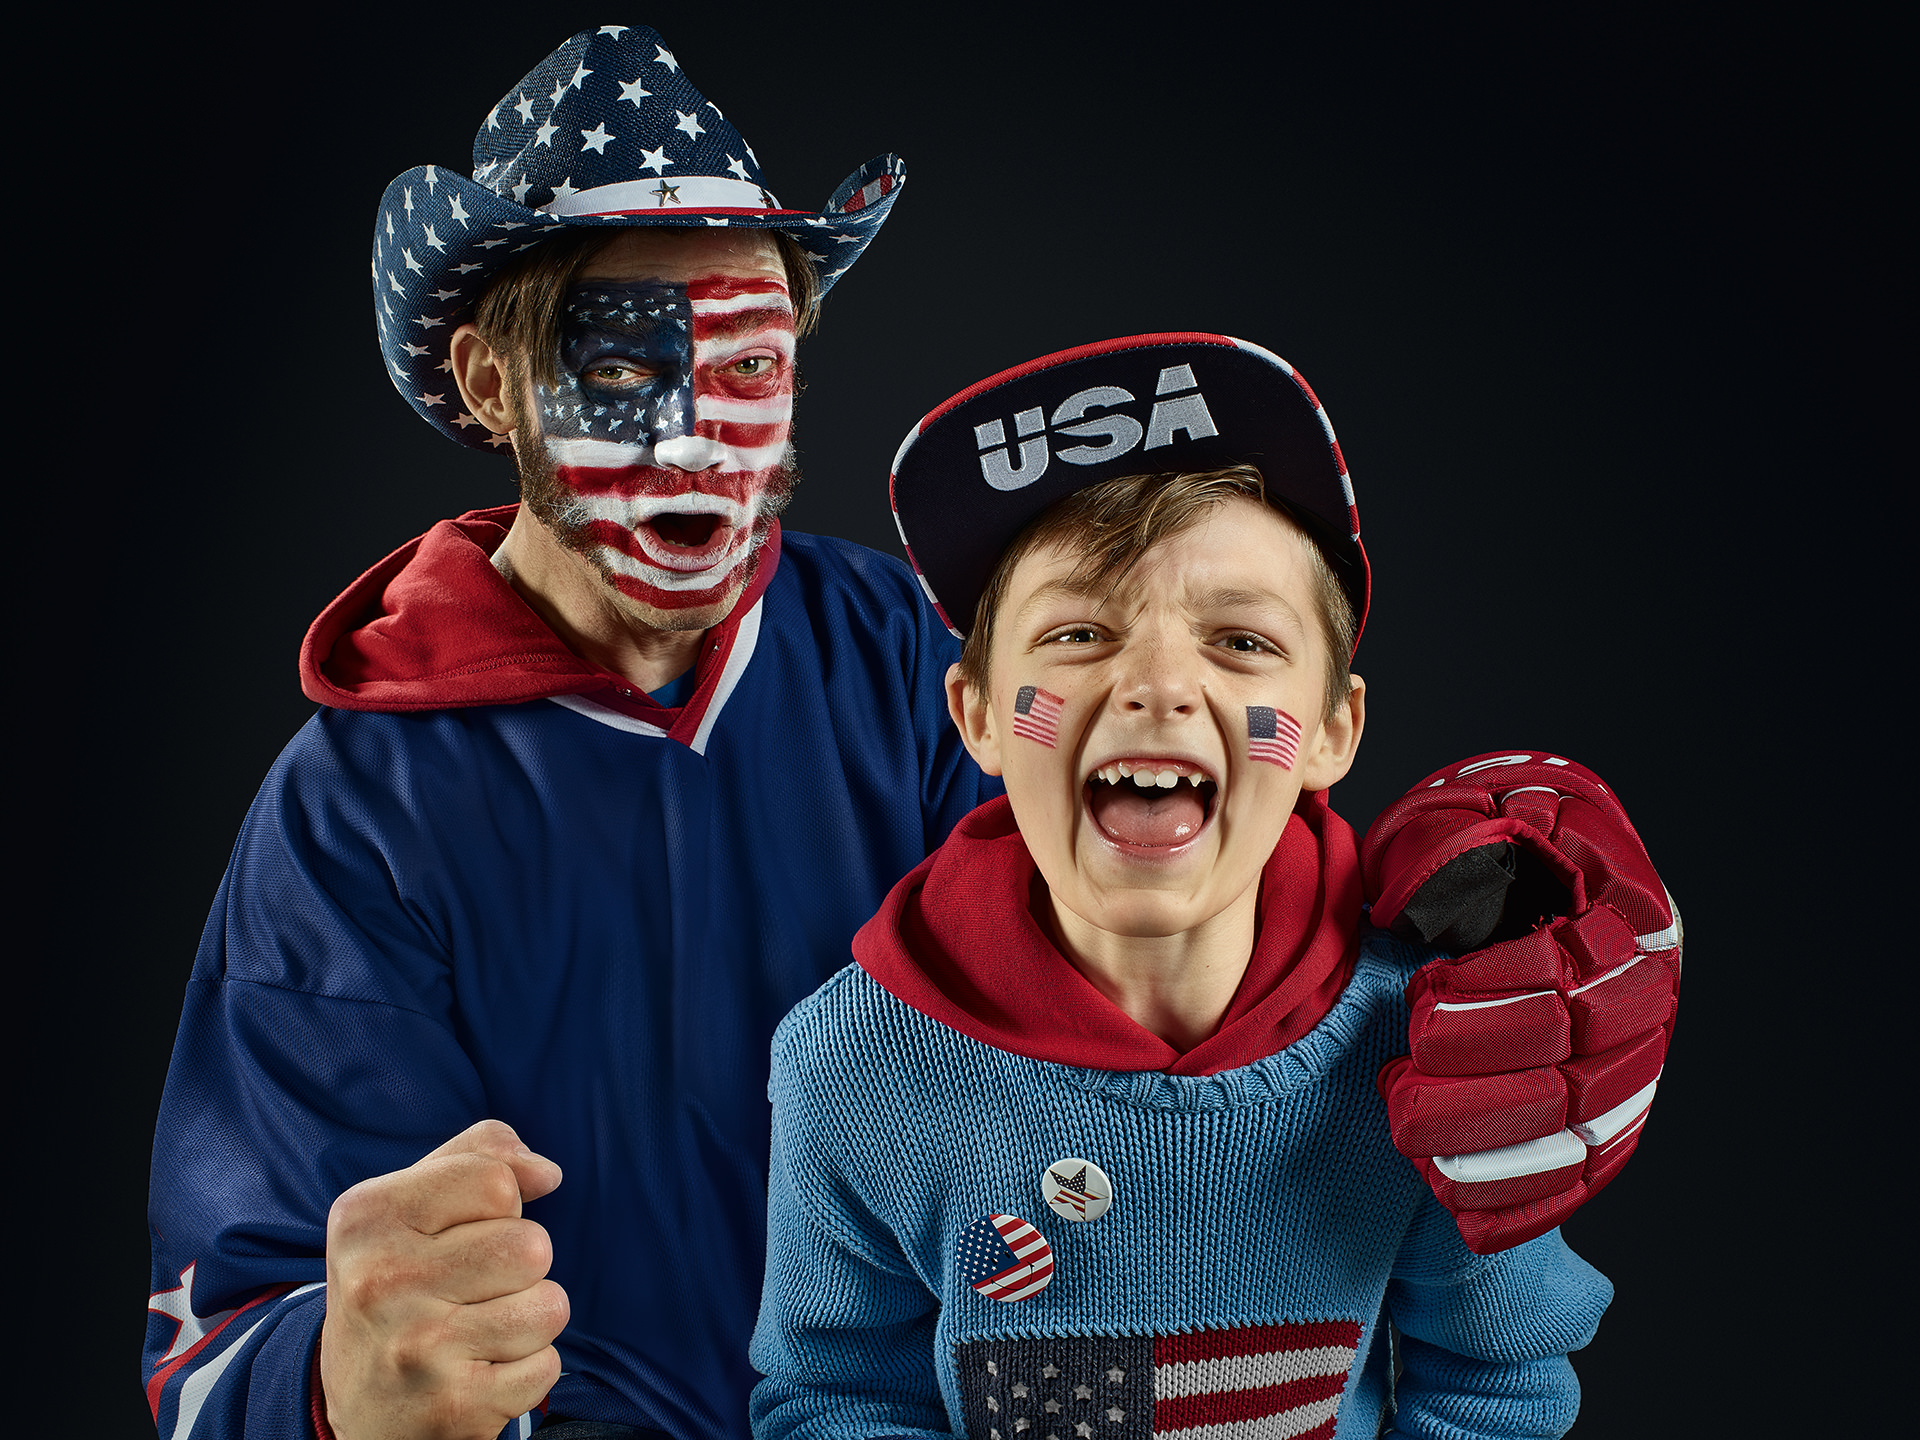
(752, 367)
(1242, 643)
(1075, 635)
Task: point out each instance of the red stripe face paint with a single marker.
(1036, 715)
(665, 435)
(1272, 736)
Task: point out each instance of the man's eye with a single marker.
(752, 366)
(617, 373)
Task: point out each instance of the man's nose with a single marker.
(675, 444)
(1160, 677)
(689, 452)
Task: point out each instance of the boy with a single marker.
(1088, 1143)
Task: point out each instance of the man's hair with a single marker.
(1113, 524)
(519, 312)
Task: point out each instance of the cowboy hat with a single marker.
(606, 131)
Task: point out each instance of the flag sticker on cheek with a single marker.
(1036, 714)
(1272, 736)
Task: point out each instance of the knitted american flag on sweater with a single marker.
(1250, 1382)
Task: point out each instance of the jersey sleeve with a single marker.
(1484, 1339)
(313, 1052)
(846, 1331)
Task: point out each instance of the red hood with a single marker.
(957, 940)
(435, 627)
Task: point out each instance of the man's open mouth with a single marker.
(687, 541)
(1151, 802)
(692, 531)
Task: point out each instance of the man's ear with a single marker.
(1336, 742)
(973, 718)
(484, 378)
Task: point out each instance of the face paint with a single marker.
(665, 435)
(1036, 714)
(1272, 736)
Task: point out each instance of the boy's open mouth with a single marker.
(1150, 802)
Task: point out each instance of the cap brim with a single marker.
(972, 474)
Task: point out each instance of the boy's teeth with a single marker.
(1146, 777)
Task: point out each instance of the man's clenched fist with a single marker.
(440, 1319)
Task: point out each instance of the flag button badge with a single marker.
(1076, 1189)
(1004, 1258)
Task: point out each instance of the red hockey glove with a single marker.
(1536, 1051)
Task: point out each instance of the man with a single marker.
(603, 786)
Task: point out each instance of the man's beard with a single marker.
(569, 518)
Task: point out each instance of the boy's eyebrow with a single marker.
(1222, 597)
(1065, 586)
(1230, 597)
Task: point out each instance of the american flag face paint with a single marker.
(1272, 736)
(666, 432)
(1036, 715)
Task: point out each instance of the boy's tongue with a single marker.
(1148, 817)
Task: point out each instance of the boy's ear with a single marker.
(973, 718)
(1337, 741)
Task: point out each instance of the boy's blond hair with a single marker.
(1114, 523)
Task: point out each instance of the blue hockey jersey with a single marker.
(577, 913)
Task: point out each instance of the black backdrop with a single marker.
(1592, 308)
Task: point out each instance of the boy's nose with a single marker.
(1160, 680)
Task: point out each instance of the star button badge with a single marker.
(1076, 1189)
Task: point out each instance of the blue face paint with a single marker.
(626, 369)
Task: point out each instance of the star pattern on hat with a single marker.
(609, 107)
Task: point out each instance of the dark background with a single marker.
(1597, 310)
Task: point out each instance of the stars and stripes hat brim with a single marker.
(977, 469)
(606, 131)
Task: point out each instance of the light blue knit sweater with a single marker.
(1264, 1196)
